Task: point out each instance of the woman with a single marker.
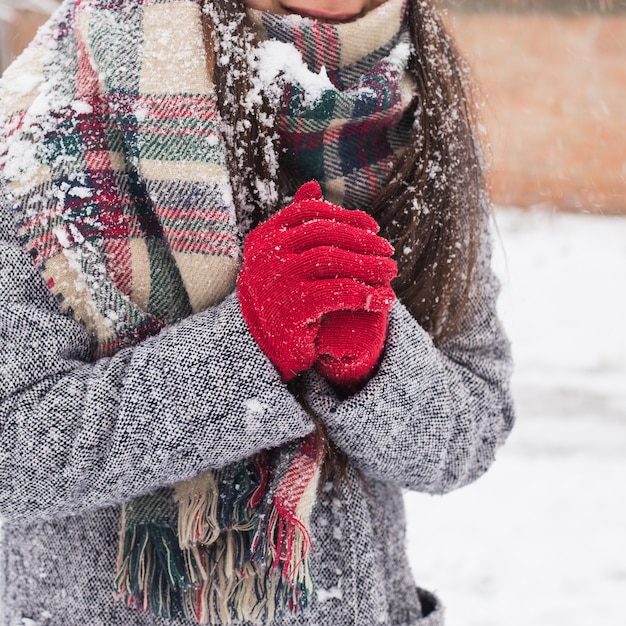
(175, 450)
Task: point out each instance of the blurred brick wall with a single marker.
(563, 7)
(21, 32)
(554, 76)
(555, 86)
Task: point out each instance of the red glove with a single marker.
(310, 259)
(349, 345)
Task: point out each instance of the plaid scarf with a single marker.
(116, 169)
(350, 138)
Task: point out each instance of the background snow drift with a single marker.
(541, 539)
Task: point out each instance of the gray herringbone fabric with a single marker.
(79, 438)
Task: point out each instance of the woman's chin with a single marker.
(323, 16)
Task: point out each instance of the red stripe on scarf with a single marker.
(119, 263)
(177, 106)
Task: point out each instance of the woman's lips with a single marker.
(326, 16)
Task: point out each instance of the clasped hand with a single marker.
(315, 289)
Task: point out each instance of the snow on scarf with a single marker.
(116, 169)
(348, 130)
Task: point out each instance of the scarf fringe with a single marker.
(216, 584)
(151, 570)
(276, 534)
(282, 533)
(198, 502)
(228, 562)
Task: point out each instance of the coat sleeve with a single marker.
(76, 435)
(432, 418)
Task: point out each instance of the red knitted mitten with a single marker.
(310, 259)
(349, 345)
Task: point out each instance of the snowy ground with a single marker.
(541, 539)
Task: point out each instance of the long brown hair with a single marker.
(433, 205)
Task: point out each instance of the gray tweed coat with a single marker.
(78, 438)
